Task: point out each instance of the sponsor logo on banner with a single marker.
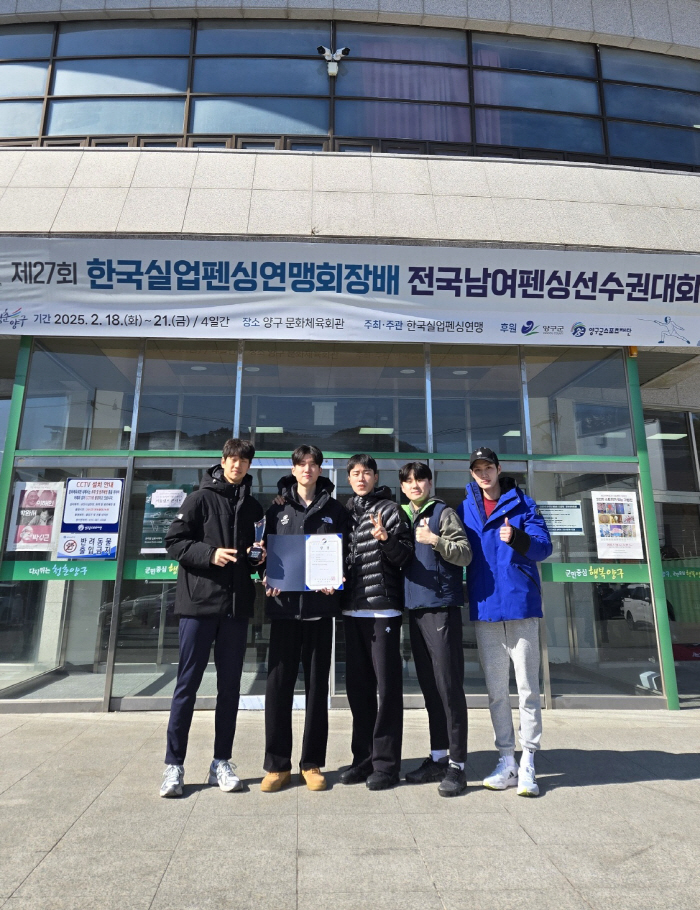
(529, 328)
(578, 330)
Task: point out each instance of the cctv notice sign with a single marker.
(90, 525)
(346, 292)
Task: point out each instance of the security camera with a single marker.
(333, 58)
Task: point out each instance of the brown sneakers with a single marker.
(314, 779)
(275, 780)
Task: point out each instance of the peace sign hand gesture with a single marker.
(379, 532)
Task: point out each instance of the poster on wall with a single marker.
(618, 534)
(563, 518)
(162, 504)
(90, 525)
(34, 525)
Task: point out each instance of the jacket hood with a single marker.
(214, 479)
(507, 484)
(286, 484)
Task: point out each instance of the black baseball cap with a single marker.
(483, 454)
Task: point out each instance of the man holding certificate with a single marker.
(305, 532)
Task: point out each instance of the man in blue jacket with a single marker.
(508, 536)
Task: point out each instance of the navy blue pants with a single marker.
(228, 634)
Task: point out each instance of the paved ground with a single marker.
(81, 824)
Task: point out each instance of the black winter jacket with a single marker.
(325, 515)
(218, 514)
(374, 581)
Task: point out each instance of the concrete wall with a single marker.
(665, 26)
(300, 195)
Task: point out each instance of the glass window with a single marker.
(670, 455)
(386, 42)
(260, 115)
(116, 115)
(385, 120)
(80, 394)
(188, 395)
(18, 80)
(261, 38)
(679, 536)
(547, 131)
(105, 39)
(535, 54)
(345, 397)
(649, 69)
(578, 402)
(25, 41)
(652, 104)
(476, 399)
(120, 77)
(8, 363)
(545, 92)
(288, 77)
(633, 140)
(20, 118)
(395, 80)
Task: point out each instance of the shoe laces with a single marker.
(171, 775)
(528, 773)
(453, 773)
(225, 769)
(503, 765)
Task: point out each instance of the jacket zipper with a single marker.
(533, 580)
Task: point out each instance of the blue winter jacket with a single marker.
(502, 580)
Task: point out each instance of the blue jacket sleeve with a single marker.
(536, 528)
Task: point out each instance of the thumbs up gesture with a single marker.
(506, 531)
(379, 532)
(424, 534)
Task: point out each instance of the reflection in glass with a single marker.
(188, 395)
(120, 77)
(548, 131)
(80, 394)
(578, 402)
(535, 54)
(261, 38)
(679, 536)
(652, 104)
(542, 92)
(476, 399)
(239, 76)
(116, 115)
(25, 41)
(403, 43)
(649, 69)
(260, 115)
(20, 118)
(670, 456)
(383, 119)
(21, 80)
(635, 140)
(392, 80)
(346, 397)
(8, 362)
(105, 39)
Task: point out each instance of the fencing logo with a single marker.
(578, 330)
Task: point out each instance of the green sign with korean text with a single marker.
(59, 570)
(595, 572)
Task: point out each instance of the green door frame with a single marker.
(656, 574)
(12, 437)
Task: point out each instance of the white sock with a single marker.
(510, 760)
(527, 759)
(457, 764)
(438, 754)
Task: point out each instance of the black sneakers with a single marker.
(454, 783)
(428, 772)
(380, 780)
(355, 774)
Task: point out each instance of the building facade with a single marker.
(479, 226)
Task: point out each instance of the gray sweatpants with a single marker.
(499, 643)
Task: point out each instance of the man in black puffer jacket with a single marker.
(301, 627)
(214, 598)
(381, 543)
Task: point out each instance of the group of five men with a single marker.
(395, 558)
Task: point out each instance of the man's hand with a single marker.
(223, 556)
(425, 535)
(379, 532)
(271, 592)
(263, 555)
(279, 500)
(506, 531)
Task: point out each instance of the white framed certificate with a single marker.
(324, 561)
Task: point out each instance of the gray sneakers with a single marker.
(221, 773)
(173, 780)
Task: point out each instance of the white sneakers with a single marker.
(221, 773)
(173, 779)
(508, 774)
(504, 775)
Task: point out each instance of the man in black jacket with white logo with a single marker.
(301, 627)
(380, 544)
(210, 538)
